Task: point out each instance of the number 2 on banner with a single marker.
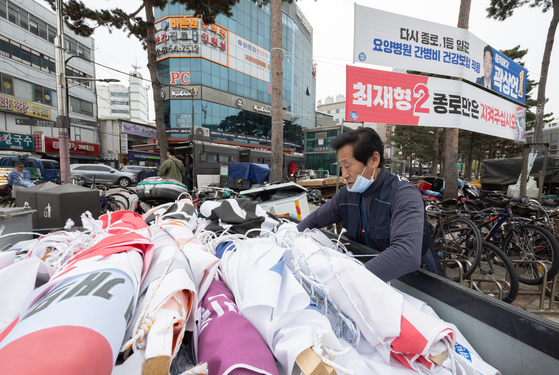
(420, 91)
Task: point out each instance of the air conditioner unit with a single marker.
(201, 131)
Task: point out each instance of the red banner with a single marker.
(76, 148)
(406, 99)
(38, 141)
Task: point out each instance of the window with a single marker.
(39, 98)
(23, 19)
(43, 30)
(52, 34)
(4, 47)
(80, 51)
(120, 111)
(52, 67)
(22, 89)
(47, 165)
(86, 108)
(74, 105)
(26, 55)
(44, 63)
(12, 15)
(3, 13)
(553, 138)
(337, 111)
(224, 158)
(328, 112)
(33, 26)
(7, 85)
(116, 102)
(35, 60)
(119, 94)
(16, 51)
(211, 158)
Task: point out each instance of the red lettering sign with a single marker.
(184, 78)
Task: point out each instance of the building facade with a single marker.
(28, 101)
(128, 103)
(219, 76)
(550, 134)
(118, 137)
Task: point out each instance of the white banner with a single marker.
(390, 39)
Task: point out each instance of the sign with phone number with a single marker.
(390, 39)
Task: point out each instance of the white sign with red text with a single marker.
(406, 99)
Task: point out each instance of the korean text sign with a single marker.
(406, 99)
(15, 141)
(389, 39)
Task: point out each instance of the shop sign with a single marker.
(184, 78)
(24, 108)
(39, 141)
(76, 148)
(262, 109)
(16, 141)
(123, 143)
(139, 130)
(143, 156)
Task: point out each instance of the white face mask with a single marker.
(361, 183)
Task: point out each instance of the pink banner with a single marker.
(405, 99)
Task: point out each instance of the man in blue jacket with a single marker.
(19, 176)
(378, 209)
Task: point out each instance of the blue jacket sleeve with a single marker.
(406, 236)
(327, 214)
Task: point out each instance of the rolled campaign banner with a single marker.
(179, 276)
(75, 323)
(407, 99)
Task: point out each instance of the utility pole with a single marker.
(451, 140)
(277, 91)
(62, 119)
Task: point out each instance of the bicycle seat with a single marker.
(449, 202)
(550, 203)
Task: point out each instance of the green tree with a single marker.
(84, 21)
(503, 9)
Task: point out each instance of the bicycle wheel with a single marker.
(121, 199)
(458, 240)
(529, 242)
(495, 275)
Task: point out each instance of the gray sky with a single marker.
(332, 21)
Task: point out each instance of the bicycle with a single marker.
(7, 200)
(108, 203)
(458, 243)
(522, 241)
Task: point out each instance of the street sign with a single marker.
(34, 122)
(77, 121)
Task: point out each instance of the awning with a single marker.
(74, 156)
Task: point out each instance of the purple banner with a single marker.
(139, 130)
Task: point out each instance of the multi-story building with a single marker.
(118, 138)
(28, 101)
(550, 134)
(129, 103)
(219, 76)
(336, 108)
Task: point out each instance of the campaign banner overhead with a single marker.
(406, 99)
(389, 39)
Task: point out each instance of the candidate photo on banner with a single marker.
(407, 99)
(397, 41)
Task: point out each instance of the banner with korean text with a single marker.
(390, 39)
(406, 99)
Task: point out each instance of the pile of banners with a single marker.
(229, 290)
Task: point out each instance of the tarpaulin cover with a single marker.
(497, 174)
(257, 173)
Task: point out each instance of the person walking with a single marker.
(172, 167)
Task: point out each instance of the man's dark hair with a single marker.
(365, 142)
(172, 151)
(490, 50)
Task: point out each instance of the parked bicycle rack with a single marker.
(542, 288)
